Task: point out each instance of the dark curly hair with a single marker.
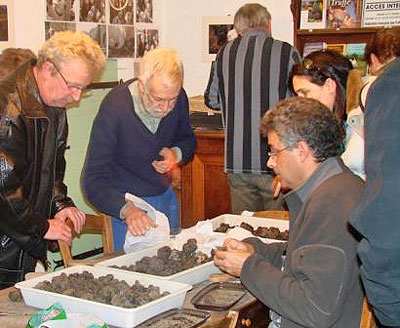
(305, 119)
(320, 65)
(385, 44)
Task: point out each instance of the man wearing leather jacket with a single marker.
(34, 205)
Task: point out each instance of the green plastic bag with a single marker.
(56, 317)
(54, 312)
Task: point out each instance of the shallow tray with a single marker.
(190, 276)
(218, 296)
(177, 318)
(113, 315)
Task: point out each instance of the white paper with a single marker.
(153, 236)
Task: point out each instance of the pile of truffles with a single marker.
(169, 261)
(104, 289)
(265, 232)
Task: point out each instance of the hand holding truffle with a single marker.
(232, 260)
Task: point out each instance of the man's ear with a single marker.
(48, 68)
(304, 150)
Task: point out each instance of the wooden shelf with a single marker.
(330, 36)
(338, 31)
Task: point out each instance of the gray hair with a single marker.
(67, 45)
(163, 61)
(305, 119)
(251, 16)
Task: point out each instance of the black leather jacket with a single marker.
(32, 145)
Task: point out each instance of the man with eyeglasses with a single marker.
(34, 205)
(313, 279)
(139, 136)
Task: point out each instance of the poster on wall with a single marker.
(109, 22)
(121, 12)
(60, 10)
(215, 35)
(92, 11)
(121, 41)
(6, 28)
(146, 40)
(144, 11)
(381, 13)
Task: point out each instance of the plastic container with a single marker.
(218, 296)
(190, 276)
(236, 220)
(113, 315)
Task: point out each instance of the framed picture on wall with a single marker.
(6, 24)
(215, 34)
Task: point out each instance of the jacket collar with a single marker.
(31, 102)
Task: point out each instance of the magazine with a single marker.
(355, 53)
(313, 14)
(313, 46)
(343, 14)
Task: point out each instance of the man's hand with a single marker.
(58, 230)
(234, 245)
(232, 260)
(137, 220)
(167, 163)
(76, 216)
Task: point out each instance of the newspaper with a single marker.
(153, 236)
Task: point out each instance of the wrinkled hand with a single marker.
(58, 230)
(167, 163)
(232, 261)
(137, 221)
(77, 217)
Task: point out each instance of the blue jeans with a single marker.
(165, 203)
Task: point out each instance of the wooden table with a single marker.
(248, 312)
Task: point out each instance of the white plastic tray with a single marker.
(113, 315)
(190, 276)
(236, 220)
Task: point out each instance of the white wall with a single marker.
(29, 23)
(180, 23)
(182, 29)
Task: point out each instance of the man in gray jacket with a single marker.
(317, 284)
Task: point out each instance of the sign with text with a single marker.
(381, 13)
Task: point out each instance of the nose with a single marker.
(271, 162)
(165, 106)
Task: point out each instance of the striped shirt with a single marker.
(249, 76)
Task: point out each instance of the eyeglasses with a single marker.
(157, 100)
(69, 86)
(276, 152)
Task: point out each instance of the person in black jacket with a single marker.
(34, 205)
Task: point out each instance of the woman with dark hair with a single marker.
(324, 75)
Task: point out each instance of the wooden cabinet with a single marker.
(205, 191)
(330, 36)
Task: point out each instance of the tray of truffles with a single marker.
(122, 299)
(177, 318)
(189, 265)
(218, 296)
(236, 226)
